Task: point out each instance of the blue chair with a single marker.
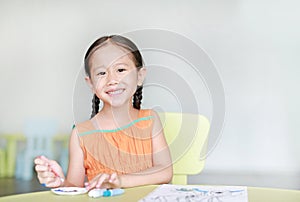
(39, 135)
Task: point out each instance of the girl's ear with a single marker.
(89, 82)
(141, 76)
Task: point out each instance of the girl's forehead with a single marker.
(108, 55)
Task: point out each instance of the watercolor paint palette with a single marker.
(69, 190)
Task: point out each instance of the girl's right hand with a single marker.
(49, 172)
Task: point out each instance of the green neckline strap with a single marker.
(117, 129)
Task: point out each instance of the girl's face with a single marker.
(113, 75)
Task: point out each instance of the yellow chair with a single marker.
(2, 163)
(10, 153)
(186, 135)
(62, 140)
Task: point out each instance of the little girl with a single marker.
(121, 145)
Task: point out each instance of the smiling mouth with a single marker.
(115, 92)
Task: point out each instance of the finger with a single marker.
(45, 160)
(41, 168)
(47, 175)
(38, 160)
(113, 177)
(91, 184)
(103, 178)
(55, 167)
(45, 180)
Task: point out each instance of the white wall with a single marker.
(254, 44)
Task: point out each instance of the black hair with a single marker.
(137, 59)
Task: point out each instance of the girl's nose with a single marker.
(112, 78)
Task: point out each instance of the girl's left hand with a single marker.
(104, 181)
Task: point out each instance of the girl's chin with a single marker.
(117, 104)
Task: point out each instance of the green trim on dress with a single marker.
(117, 129)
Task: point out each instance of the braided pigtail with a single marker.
(95, 105)
(137, 97)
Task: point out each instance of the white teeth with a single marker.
(115, 92)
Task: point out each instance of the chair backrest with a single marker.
(2, 163)
(186, 135)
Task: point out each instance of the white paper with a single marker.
(178, 193)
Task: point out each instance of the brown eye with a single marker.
(121, 70)
(101, 73)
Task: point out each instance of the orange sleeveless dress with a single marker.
(127, 149)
